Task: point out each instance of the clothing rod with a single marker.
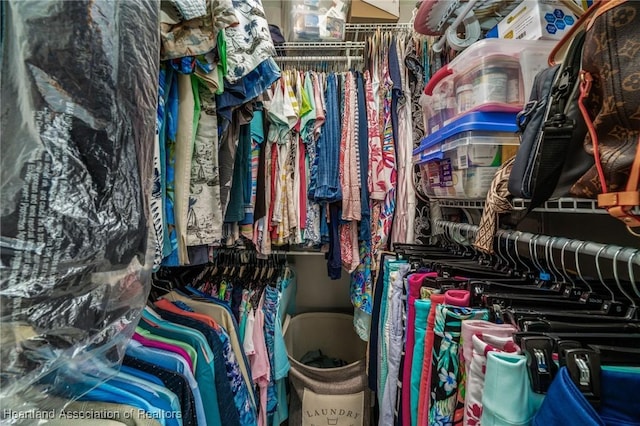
(588, 248)
(318, 58)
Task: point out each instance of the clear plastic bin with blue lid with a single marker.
(317, 20)
(492, 75)
(460, 160)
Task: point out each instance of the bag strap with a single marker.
(557, 129)
(619, 204)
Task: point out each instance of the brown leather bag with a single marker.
(610, 104)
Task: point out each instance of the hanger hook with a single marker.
(550, 260)
(457, 234)
(577, 258)
(461, 238)
(518, 254)
(537, 255)
(444, 232)
(617, 278)
(533, 252)
(564, 267)
(503, 258)
(613, 296)
(452, 235)
(505, 254)
(513, 259)
(499, 250)
(631, 274)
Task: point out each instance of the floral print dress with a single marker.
(445, 361)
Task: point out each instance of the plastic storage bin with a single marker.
(327, 396)
(460, 160)
(317, 20)
(491, 75)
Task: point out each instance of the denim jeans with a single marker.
(270, 309)
(328, 182)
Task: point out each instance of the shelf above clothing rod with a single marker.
(318, 58)
(382, 27)
(324, 46)
(560, 205)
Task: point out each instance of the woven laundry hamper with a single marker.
(327, 396)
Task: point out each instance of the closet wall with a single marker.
(316, 292)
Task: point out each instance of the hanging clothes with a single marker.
(204, 224)
(403, 223)
(417, 74)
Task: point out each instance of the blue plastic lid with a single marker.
(438, 155)
(478, 121)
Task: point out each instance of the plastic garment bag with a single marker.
(79, 96)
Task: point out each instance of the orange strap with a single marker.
(619, 204)
(585, 21)
(559, 51)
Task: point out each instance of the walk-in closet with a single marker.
(320, 212)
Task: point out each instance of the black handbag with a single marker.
(524, 174)
(550, 158)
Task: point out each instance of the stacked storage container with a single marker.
(317, 20)
(470, 108)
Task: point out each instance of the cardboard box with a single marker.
(534, 20)
(374, 11)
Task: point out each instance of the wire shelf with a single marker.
(319, 58)
(461, 204)
(324, 46)
(351, 28)
(561, 205)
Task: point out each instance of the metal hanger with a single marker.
(620, 286)
(450, 227)
(613, 296)
(501, 259)
(577, 258)
(564, 268)
(533, 253)
(631, 275)
(445, 233)
(515, 262)
(548, 251)
(451, 236)
(462, 239)
(518, 254)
